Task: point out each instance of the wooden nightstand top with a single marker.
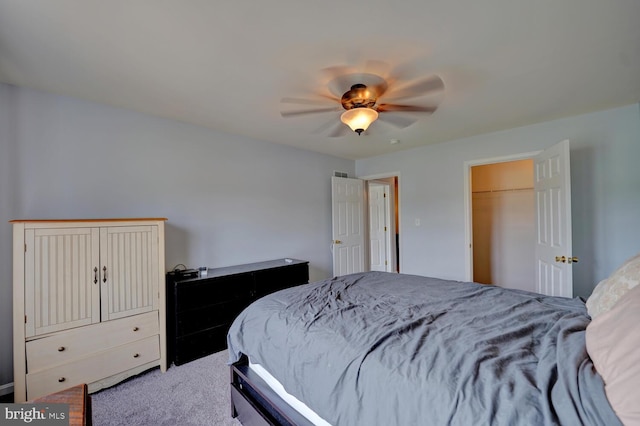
(79, 404)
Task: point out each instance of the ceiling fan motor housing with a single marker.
(358, 97)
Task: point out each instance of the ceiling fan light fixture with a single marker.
(359, 119)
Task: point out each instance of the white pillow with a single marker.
(610, 290)
(613, 343)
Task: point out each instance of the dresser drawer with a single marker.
(198, 293)
(66, 346)
(197, 320)
(205, 342)
(271, 280)
(93, 368)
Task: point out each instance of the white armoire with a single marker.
(88, 302)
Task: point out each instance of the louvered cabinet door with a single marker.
(61, 279)
(129, 270)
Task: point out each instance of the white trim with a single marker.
(6, 389)
(468, 227)
(399, 262)
(390, 225)
(380, 176)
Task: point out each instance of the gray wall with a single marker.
(7, 209)
(229, 200)
(605, 176)
(232, 200)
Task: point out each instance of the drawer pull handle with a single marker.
(136, 355)
(61, 379)
(135, 329)
(61, 349)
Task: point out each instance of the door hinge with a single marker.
(25, 247)
(384, 195)
(25, 319)
(385, 263)
(385, 229)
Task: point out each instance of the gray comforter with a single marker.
(392, 349)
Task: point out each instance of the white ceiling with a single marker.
(227, 64)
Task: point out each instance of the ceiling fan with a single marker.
(362, 103)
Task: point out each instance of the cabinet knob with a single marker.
(61, 348)
(135, 329)
(136, 355)
(61, 379)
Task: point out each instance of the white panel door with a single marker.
(129, 271)
(348, 223)
(61, 279)
(378, 227)
(552, 186)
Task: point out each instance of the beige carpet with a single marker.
(193, 394)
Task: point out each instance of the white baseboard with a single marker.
(6, 389)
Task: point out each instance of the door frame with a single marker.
(397, 216)
(468, 216)
(389, 222)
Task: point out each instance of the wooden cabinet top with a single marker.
(137, 219)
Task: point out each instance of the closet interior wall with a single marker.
(503, 218)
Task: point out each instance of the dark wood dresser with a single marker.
(200, 310)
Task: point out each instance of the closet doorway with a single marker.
(503, 224)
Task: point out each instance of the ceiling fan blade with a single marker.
(370, 66)
(417, 88)
(397, 121)
(308, 111)
(336, 71)
(338, 79)
(379, 89)
(303, 101)
(339, 130)
(403, 71)
(377, 67)
(406, 108)
(327, 124)
(343, 83)
(381, 69)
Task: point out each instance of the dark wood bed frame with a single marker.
(254, 403)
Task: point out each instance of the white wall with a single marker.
(605, 150)
(229, 199)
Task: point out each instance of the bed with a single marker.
(392, 349)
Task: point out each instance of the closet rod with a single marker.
(501, 190)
